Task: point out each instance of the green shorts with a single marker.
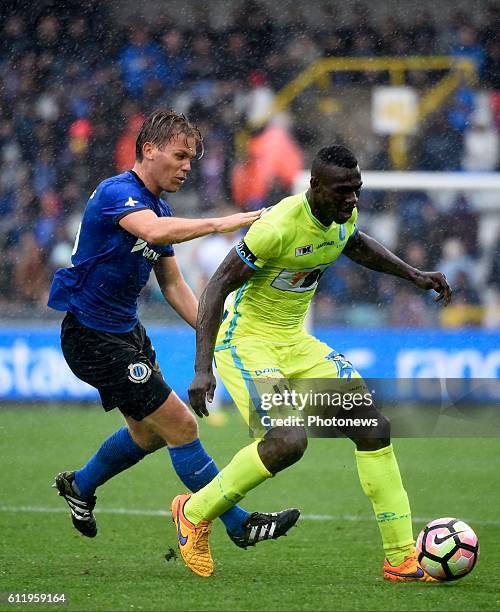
(246, 366)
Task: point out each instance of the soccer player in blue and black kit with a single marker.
(126, 231)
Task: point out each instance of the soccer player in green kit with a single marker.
(274, 273)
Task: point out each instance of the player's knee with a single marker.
(282, 447)
(383, 427)
(378, 436)
(186, 430)
(173, 422)
(295, 447)
(375, 436)
(291, 449)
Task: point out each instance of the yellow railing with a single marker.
(460, 71)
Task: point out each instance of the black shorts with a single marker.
(122, 367)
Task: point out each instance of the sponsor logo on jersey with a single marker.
(147, 252)
(303, 250)
(274, 372)
(139, 372)
(245, 252)
(324, 244)
(299, 280)
(131, 202)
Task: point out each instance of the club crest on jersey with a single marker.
(147, 252)
(139, 372)
(303, 250)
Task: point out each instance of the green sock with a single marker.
(381, 481)
(243, 473)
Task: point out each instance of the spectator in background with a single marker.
(232, 62)
(175, 63)
(492, 65)
(30, 271)
(44, 171)
(462, 222)
(257, 103)
(461, 109)
(407, 307)
(466, 309)
(467, 47)
(79, 134)
(82, 33)
(141, 59)
(200, 68)
(48, 219)
(481, 146)
(423, 33)
(254, 21)
(14, 41)
(273, 162)
(408, 310)
(48, 34)
(455, 262)
(303, 50)
(125, 145)
(99, 164)
(441, 146)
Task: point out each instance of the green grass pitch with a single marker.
(331, 561)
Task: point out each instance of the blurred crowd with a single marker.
(75, 86)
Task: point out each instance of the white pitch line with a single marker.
(304, 517)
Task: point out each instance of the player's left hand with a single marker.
(202, 388)
(436, 281)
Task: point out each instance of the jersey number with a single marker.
(299, 280)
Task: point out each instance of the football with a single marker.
(447, 548)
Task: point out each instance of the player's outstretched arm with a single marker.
(369, 253)
(175, 289)
(147, 225)
(230, 275)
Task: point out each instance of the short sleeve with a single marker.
(261, 243)
(168, 251)
(118, 201)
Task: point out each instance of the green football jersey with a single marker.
(289, 249)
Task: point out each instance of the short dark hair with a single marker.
(162, 126)
(334, 155)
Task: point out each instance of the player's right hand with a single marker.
(202, 388)
(231, 223)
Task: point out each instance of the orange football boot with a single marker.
(192, 539)
(408, 571)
